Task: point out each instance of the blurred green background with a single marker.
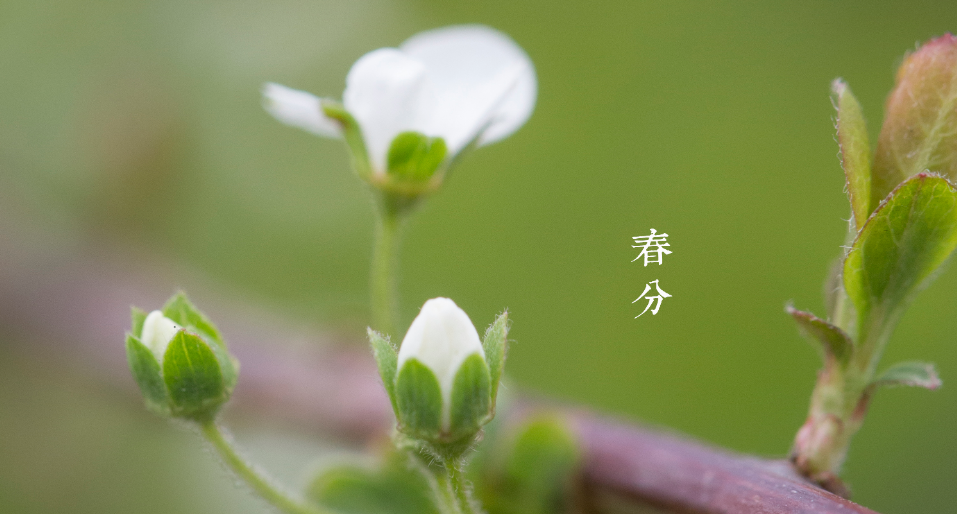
(139, 123)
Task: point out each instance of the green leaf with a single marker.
(832, 339)
(137, 318)
(855, 150)
(146, 372)
(388, 360)
(193, 377)
(906, 239)
(415, 157)
(471, 398)
(355, 489)
(542, 462)
(914, 374)
(185, 314)
(534, 473)
(495, 345)
(419, 400)
(920, 120)
(352, 133)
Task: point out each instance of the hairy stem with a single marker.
(438, 484)
(460, 490)
(256, 479)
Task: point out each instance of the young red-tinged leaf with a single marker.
(920, 120)
(833, 340)
(914, 374)
(906, 239)
(855, 150)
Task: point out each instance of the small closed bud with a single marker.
(180, 361)
(440, 382)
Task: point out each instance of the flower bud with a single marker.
(180, 361)
(443, 380)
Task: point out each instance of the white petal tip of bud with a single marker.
(441, 337)
(158, 331)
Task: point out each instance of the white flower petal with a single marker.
(298, 109)
(388, 93)
(469, 65)
(158, 331)
(442, 336)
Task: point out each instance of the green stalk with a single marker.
(841, 397)
(438, 483)
(460, 490)
(384, 271)
(259, 482)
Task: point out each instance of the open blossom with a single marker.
(462, 84)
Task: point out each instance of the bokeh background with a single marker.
(137, 127)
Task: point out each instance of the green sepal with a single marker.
(832, 339)
(495, 345)
(419, 401)
(391, 488)
(137, 318)
(193, 377)
(855, 150)
(914, 374)
(470, 406)
(228, 366)
(387, 358)
(185, 314)
(352, 133)
(904, 241)
(146, 372)
(415, 157)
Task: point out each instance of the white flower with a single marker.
(441, 337)
(158, 331)
(462, 83)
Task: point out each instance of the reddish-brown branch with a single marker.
(82, 307)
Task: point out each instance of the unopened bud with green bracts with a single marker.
(443, 381)
(180, 361)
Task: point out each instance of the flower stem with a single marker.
(460, 489)
(384, 271)
(442, 495)
(260, 483)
